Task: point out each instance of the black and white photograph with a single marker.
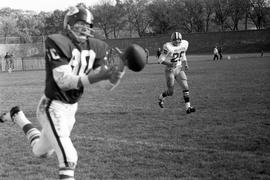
(135, 89)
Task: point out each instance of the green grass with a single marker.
(123, 134)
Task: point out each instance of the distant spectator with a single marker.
(220, 52)
(158, 52)
(7, 61)
(215, 54)
(1, 63)
(147, 54)
(12, 61)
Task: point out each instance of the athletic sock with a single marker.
(20, 119)
(163, 95)
(66, 173)
(186, 98)
(31, 133)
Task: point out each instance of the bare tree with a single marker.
(120, 19)
(258, 12)
(137, 15)
(237, 10)
(208, 12)
(193, 19)
(110, 18)
(103, 18)
(222, 12)
(8, 26)
(161, 15)
(54, 22)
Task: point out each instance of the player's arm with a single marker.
(65, 77)
(108, 76)
(61, 69)
(184, 60)
(100, 74)
(163, 57)
(183, 55)
(66, 80)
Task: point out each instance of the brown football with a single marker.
(135, 57)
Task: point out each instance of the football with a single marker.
(135, 57)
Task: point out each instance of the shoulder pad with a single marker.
(166, 48)
(185, 44)
(167, 45)
(63, 43)
(99, 47)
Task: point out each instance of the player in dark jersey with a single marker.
(74, 60)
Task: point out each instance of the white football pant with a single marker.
(57, 120)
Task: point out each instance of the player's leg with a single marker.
(37, 139)
(61, 119)
(169, 76)
(43, 148)
(18, 117)
(181, 78)
(215, 57)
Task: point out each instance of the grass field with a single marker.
(124, 134)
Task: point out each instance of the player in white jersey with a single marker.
(174, 58)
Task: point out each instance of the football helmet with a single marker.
(78, 23)
(176, 38)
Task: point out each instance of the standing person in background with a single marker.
(12, 59)
(7, 61)
(220, 52)
(158, 52)
(1, 63)
(215, 53)
(147, 54)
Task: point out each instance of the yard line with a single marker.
(172, 147)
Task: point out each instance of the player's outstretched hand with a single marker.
(134, 57)
(116, 73)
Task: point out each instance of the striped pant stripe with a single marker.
(55, 133)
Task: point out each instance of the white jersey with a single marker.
(175, 54)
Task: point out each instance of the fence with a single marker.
(30, 56)
(24, 64)
(21, 40)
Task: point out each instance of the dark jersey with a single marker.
(158, 53)
(7, 56)
(82, 58)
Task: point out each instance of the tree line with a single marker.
(137, 18)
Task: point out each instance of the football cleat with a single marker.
(8, 116)
(4, 117)
(190, 110)
(161, 103)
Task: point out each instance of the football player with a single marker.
(74, 61)
(174, 58)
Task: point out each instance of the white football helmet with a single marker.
(78, 23)
(176, 38)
